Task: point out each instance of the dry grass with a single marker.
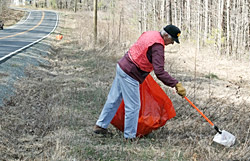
(11, 17)
(55, 107)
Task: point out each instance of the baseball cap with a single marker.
(174, 32)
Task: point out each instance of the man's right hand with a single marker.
(180, 89)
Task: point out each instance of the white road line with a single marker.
(21, 21)
(13, 53)
(26, 18)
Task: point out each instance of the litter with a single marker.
(222, 137)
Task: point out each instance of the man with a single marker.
(146, 55)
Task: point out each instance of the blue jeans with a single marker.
(126, 88)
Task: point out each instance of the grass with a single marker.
(52, 118)
(11, 17)
(211, 76)
(3, 75)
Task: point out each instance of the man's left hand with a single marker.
(180, 89)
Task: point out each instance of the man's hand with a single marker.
(180, 89)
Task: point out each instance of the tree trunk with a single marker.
(198, 46)
(95, 22)
(145, 15)
(189, 18)
(220, 29)
(140, 16)
(120, 25)
(236, 30)
(112, 21)
(34, 3)
(206, 21)
(247, 26)
(162, 11)
(175, 12)
(169, 18)
(180, 15)
(1, 6)
(228, 28)
(198, 26)
(75, 5)
(154, 18)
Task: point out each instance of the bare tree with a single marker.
(95, 22)
(75, 6)
(145, 15)
(206, 21)
(1, 6)
(169, 12)
(163, 10)
(120, 25)
(140, 15)
(188, 22)
(220, 16)
(175, 12)
(228, 28)
(155, 15)
(198, 46)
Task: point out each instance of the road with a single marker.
(37, 26)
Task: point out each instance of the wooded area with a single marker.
(223, 24)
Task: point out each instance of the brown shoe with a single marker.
(130, 140)
(99, 130)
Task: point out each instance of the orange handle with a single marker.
(199, 111)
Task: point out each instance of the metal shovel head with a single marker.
(225, 138)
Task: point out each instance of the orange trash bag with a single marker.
(156, 109)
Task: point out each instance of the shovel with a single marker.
(222, 137)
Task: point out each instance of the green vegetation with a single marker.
(211, 76)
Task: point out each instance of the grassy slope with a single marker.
(55, 107)
(11, 17)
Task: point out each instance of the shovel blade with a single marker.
(225, 138)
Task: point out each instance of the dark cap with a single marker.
(174, 32)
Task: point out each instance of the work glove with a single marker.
(180, 89)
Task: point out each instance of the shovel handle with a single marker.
(199, 112)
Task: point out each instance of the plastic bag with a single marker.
(156, 109)
(225, 138)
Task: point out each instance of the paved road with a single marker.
(37, 26)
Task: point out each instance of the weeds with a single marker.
(211, 76)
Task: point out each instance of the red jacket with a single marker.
(138, 52)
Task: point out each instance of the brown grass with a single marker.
(55, 106)
(11, 17)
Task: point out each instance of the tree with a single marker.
(188, 19)
(95, 22)
(162, 10)
(169, 13)
(228, 28)
(1, 6)
(75, 6)
(206, 21)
